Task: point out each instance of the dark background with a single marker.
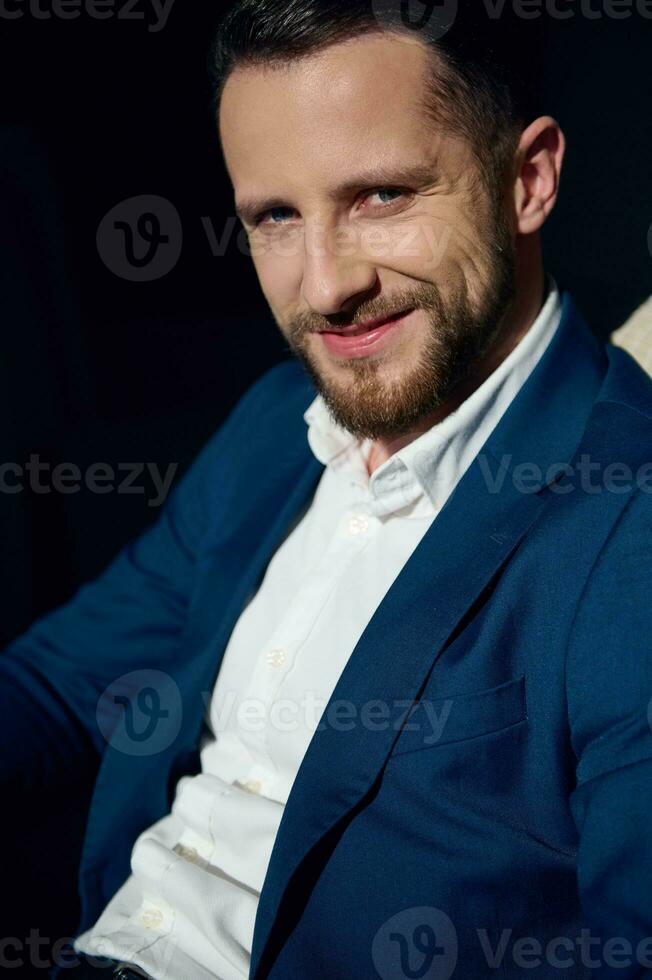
(95, 368)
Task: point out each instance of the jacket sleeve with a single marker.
(52, 676)
(609, 687)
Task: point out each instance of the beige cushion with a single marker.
(635, 336)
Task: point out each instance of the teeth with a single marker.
(357, 330)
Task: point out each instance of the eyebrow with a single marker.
(248, 209)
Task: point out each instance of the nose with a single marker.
(333, 278)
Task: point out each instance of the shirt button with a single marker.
(151, 918)
(358, 524)
(253, 786)
(189, 853)
(276, 658)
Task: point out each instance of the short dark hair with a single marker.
(485, 69)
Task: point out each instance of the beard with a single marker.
(459, 334)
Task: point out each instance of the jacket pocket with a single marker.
(442, 721)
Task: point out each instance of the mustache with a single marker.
(368, 322)
(311, 324)
(426, 297)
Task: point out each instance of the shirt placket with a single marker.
(279, 655)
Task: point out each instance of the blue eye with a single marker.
(388, 191)
(274, 212)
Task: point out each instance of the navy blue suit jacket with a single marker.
(510, 807)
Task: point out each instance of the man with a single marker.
(405, 587)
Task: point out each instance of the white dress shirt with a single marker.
(187, 910)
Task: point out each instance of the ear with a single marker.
(539, 159)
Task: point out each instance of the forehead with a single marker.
(360, 100)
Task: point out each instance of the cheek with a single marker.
(424, 248)
(278, 266)
(438, 248)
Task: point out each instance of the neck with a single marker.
(516, 324)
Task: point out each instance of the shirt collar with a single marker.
(418, 479)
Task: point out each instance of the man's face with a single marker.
(357, 209)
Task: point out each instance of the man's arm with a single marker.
(609, 685)
(130, 617)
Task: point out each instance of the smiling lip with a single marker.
(357, 340)
(357, 329)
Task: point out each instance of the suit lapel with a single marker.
(480, 526)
